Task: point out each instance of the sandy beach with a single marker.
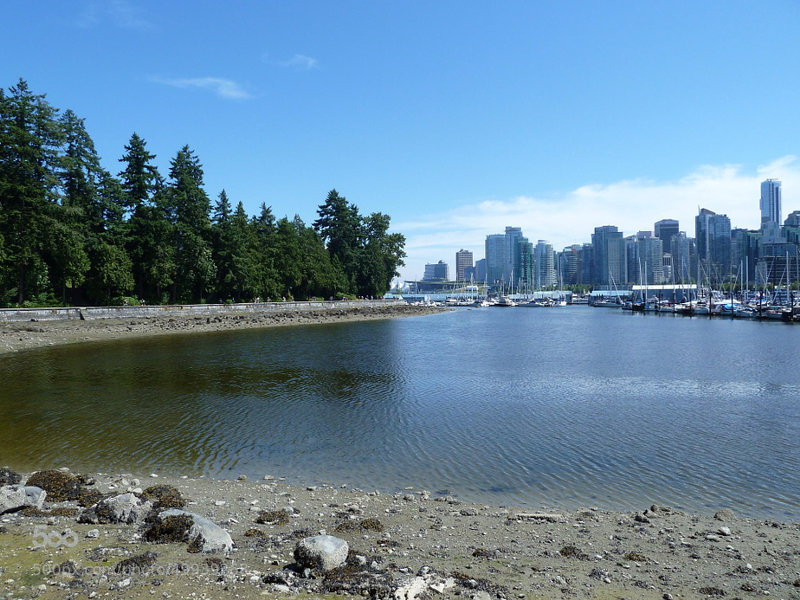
(410, 544)
(24, 335)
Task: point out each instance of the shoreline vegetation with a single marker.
(99, 535)
(25, 335)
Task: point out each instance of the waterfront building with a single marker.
(480, 270)
(463, 262)
(713, 236)
(778, 263)
(495, 244)
(568, 264)
(684, 258)
(744, 253)
(524, 264)
(509, 258)
(666, 264)
(436, 272)
(585, 273)
(545, 265)
(609, 262)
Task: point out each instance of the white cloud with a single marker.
(224, 88)
(632, 205)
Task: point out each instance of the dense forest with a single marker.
(73, 233)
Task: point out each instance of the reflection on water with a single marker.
(565, 407)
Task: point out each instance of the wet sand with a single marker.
(25, 335)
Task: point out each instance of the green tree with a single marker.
(29, 140)
(140, 178)
(383, 253)
(339, 225)
(189, 206)
(148, 231)
(263, 234)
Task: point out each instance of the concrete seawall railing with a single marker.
(181, 310)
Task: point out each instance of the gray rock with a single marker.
(210, 536)
(17, 497)
(9, 477)
(125, 508)
(725, 514)
(324, 552)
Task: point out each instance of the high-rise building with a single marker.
(713, 235)
(609, 266)
(650, 254)
(463, 261)
(770, 205)
(495, 263)
(665, 230)
(480, 271)
(545, 270)
(684, 259)
(509, 258)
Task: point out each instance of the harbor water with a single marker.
(538, 407)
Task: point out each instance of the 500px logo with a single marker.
(43, 537)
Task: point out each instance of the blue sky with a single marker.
(455, 118)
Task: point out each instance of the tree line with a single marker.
(71, 232)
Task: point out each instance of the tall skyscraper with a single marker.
(713, 235)
(770, 204)
(665, 229)
(508, 258)
(545, 265)
(609, 260)
(463, 262)
(495, 245)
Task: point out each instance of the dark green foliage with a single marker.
(73, 233)
(362, 247)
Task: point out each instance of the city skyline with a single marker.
(663, 250)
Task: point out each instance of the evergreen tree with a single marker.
(147, 232)
(339, 226)
(29, 140)
(140, 178)
(265, 273)
(189, 205)
(383, 253)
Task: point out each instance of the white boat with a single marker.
(505, 301)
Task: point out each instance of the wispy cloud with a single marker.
(224, 88)
(632, 205)
(117, 12)
(299, 62)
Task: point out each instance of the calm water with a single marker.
(538, 407)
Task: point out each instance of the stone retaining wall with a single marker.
(180, 310)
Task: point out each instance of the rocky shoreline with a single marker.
(23, 335)
(65, 535)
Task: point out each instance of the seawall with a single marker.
(90, 313)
